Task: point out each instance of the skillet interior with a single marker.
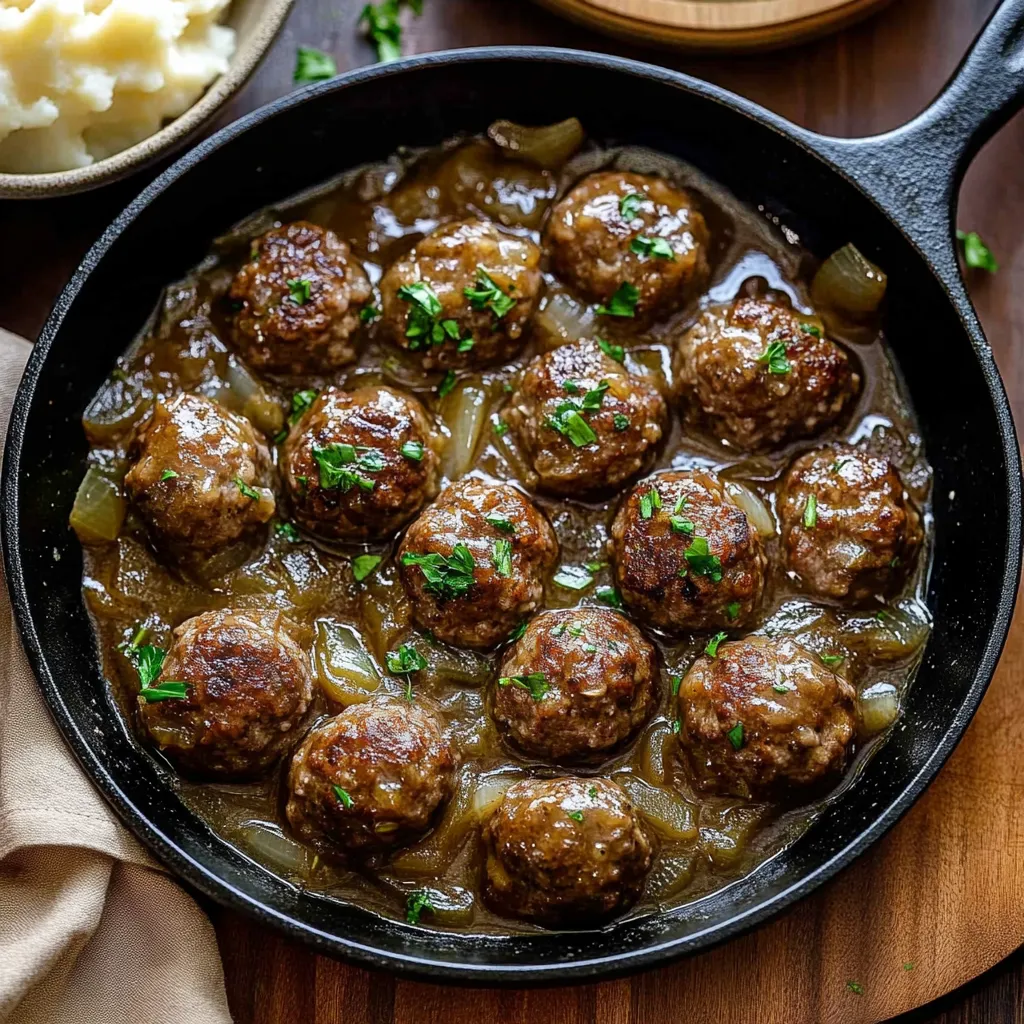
(295, 144)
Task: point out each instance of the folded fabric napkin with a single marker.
(92, 930)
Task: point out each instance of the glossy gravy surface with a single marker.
(704, 842)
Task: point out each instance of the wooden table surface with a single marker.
(867, 79)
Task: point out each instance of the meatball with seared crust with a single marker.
(473, 563)
(762, 715)
(755, 373)
(197, 474)
(848, 526)
(576, 685)
(248, 691)
(564, 852)
(371, 779)
(617, 228)
(686, 556)
(463, 296)
(298, 300)
(584, 422)
(360, 464)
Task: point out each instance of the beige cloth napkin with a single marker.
(92, 931)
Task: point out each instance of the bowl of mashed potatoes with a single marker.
(91, 90)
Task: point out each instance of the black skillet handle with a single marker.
(915, 171)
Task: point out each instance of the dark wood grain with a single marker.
(867, 79)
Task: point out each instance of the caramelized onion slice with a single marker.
(344, 668)
(879, 706)
(99, 508)
(464, 412)
(274, 849)
(757, 511)
(548, 146)
(666, 812)
(849, 282)
(561, 319)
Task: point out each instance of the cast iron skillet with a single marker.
(893, 195)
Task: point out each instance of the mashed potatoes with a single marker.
(82, 79)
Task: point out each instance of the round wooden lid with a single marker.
(715, 24)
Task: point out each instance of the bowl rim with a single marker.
(167, 139)
(615, 962)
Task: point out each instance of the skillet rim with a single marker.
(614, 963)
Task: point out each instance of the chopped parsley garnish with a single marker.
(569, 423)
(383, 28)
(676, 680)
(977, 254)
(594, 398)
(447, 384)
(732, 610)
(657, 247)
(649, 501)
(363, 565)
(909, 965)
(501, 523)
(735, 735)
(838, 465)
(168, 474)
(701, 562)
(501, 557)
(774, 357)
(811, 512)
(405, 661)
(313, 65)
(571, 386)
(576, 815)
(148, 661)
(676, 725)
(500, 427)
(413, 450)
(623, 302)
(682, 525)
(812, 329)
(629, 206)
(299, 289)
(466, 344)
(592, 792)
(251, 493)
(487, 295)
(609, 596)
(280, 436)
(301, 401)
(573, 577)
(832, 660)
(344, 466)
(287, 530)
(517, 633)
(446, 577)
(620, 421)
(343, 798)
(422, 326)
(368, 314)
(535, 684)
(783, 687)
(712, 648)
(416, 903)
(681, 502)
(596, 566)
(616, 352)
(855, 987)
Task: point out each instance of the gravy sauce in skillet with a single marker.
(496, 594)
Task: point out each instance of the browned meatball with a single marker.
(577, 684)
(370, 779)
(248, 694)
(568, 852)
(298, 300)
(686, 556)
(618, 228)
(474, 562)
(463, 296)
(848, 527)
(756, 373)
(762, 715)
(197, 473)
(360, 464)
(584, 422)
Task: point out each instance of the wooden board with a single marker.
(716, 24)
